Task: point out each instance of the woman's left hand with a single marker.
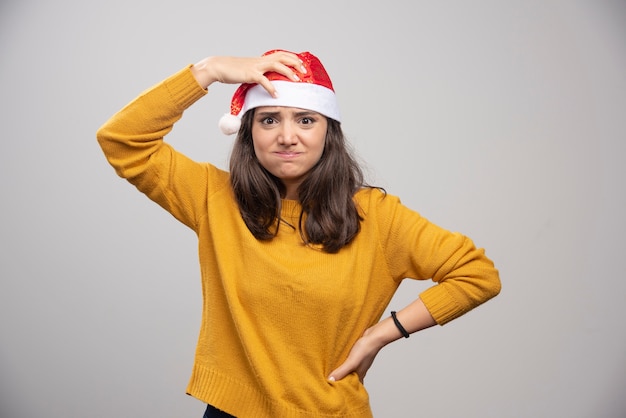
(360, 358)
(414, 317)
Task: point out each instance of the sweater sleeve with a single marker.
(416, 248)
(132, 141)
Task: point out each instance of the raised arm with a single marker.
(132, 140)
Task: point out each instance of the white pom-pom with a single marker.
(229, 124)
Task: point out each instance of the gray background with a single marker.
(504, 120)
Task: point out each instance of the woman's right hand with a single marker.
(235, 70)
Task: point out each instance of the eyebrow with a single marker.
(296, 114)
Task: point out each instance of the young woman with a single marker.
(299, 257)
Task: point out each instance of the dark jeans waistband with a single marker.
(213, 412)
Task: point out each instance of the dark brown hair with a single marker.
(329, 215)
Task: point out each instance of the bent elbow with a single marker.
(494, 285)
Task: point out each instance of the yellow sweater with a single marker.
(279, 316)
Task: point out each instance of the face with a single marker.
(288, 142)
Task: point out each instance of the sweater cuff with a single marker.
(184, 89)
(440, 304)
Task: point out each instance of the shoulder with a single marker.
(375, 199)
(385, 209)
(217, 179)
(218, 173)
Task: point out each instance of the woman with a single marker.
(299, 258)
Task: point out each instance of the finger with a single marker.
(341, 372)
(267, 85)
(281, 62)
(287, 71)
(278, 68)
(288, 59)
(286, 64)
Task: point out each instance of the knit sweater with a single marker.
(278, 316)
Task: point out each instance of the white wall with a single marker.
(504, 120)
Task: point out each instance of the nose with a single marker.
(288, 134)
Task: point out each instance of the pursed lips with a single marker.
(287, 154)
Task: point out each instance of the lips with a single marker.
(287, 154)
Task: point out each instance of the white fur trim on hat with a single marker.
(293, 94)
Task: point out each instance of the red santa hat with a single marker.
(314, 91)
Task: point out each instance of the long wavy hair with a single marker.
(329, 215)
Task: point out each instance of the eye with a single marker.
(307, 120)
(268, 120)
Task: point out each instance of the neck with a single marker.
(291, 190)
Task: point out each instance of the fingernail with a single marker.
(331, 379)
(302, 69)
(295, 77)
